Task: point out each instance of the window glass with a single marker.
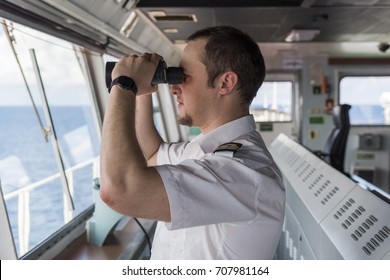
(273, 102)
(369, 97)
(157, 114)
(34, 193)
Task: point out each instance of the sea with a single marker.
(26, 157)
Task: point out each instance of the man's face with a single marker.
(194, 97)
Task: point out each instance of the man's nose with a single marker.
(174, 89)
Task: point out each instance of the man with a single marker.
(219, 196)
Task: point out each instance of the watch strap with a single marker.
(125, 83)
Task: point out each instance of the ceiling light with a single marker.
(302, 35)
(178, 42)
(154, 14)
(162, 16)
(171, 30)
(129, 24)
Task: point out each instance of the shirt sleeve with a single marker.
(214, 189)
(170, 153)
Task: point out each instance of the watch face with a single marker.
(126, 83)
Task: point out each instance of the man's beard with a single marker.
(185, 120)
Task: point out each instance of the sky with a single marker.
(364, 90)
(61, 74)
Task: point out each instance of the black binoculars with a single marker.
(163, 74)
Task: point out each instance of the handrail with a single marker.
(47, 179)
(23, 195)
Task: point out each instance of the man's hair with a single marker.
(228, 48)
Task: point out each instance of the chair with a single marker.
(335, 145)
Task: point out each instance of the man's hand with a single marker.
(140, 68)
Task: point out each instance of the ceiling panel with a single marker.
(271, 21)
(220, 3)
(268, 21)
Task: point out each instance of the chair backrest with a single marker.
(335, 145)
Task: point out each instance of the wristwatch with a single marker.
(125, 83)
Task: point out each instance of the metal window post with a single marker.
(53, 136)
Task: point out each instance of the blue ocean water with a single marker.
(25, 158)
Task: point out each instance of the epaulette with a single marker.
(227, 149)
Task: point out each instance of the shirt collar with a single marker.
(225, 133)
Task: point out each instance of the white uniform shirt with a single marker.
(222, 206)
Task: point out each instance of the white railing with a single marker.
(23, 196)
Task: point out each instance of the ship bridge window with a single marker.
(273, 102)
(49, 137)
(369, 97)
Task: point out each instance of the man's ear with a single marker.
(228, 81)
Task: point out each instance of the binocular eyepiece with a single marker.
(163, 74)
